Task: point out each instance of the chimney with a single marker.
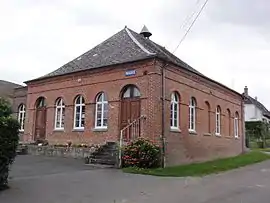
(246, 91)
(256, 98)
(145, 32)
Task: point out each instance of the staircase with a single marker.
(106, 155)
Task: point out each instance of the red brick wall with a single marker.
(183, 147)
(110, 80)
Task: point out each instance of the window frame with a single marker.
(80, 105)
(175, 100)
(103, 102)
(218, 121)
(192, 110)
(236, 125)
(60, 107)
(21, 117)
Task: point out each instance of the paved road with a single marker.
(53, 180)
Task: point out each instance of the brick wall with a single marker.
(184, 147)
(111, 81)
(181, 147)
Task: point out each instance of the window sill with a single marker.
(78, 130)
(207, 134)
(176, 130)
(100, 129)
(21, 131)
(192, 132)
(59, 130)
(218, 135)
(237, 138)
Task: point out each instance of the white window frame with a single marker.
(80, 105)
(21, 117)
(218, 121)
(192, 110)
(174, 101)
(103, 102)
(60, 107)
(236, 126)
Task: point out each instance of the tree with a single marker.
(9, 138)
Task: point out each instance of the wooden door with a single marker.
(130, 111)
(40, 124)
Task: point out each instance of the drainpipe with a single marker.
(243, 127)
(163, 138)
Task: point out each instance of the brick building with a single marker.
(128, 80)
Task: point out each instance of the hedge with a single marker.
(9, 138)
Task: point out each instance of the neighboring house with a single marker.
(128, 81)
(6, 90)
(254, 110)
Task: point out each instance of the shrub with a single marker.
(141, 153)
(9, 138)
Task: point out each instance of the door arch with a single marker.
(40, 122)
(130, 107)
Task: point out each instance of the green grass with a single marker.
(200, 169)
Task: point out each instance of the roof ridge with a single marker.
(138, 43)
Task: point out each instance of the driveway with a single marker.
(55, 180)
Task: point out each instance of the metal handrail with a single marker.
(121, 137)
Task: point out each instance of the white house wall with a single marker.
(252, 113)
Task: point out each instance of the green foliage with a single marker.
(199, 169)
(141, 153)
(5, 108)
(9, 130)
(257, 132)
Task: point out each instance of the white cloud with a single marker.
(225, 44)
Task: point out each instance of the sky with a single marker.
(230, 41)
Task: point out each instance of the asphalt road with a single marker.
(55, 180)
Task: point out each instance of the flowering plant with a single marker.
(141, 153)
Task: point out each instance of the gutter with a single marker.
(163, 137)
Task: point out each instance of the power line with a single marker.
(188, 17)
(193, 22)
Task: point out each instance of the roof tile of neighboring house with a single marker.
(249, 100)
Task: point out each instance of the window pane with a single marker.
(99, 99)
(136, 92)
(105, 122)
(63, 117)
(105, 114)
(99, 107)
(99, 122)
(127, 93)
(175, 122)
(106, 107)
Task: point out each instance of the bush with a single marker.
(141, 153)
(9, 138)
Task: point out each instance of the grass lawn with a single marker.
(199, 169)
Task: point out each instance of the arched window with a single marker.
(218, 119)
(131, 91)
(236, 125)
(40, 102)
(59, 114)
(192, 114)
(79, 113)
(21, 116)
(101, 117)
(208, 116)
(175, 110)
(229, 122)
